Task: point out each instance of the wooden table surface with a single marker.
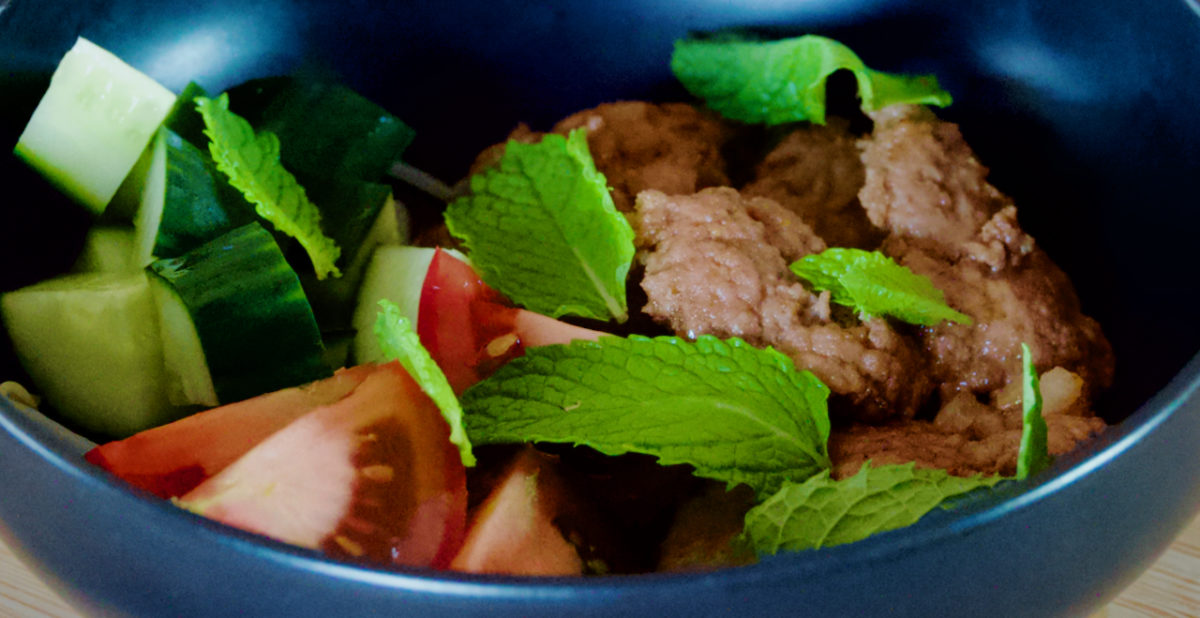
(1170, 588)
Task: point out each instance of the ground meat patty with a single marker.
(672, 147)
(925, 187)
(717, 263)
(969, 437)
(816, 173)
(923, 181)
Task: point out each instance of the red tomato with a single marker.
(170, 460)
(513, 531)
(470, 329)
(371, 477)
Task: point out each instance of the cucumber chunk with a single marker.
(91, 343)
(108, 249)
(394, 273)
(254, 323)
(333, 299)
(185, 201)
(92, 124)
(188, 380)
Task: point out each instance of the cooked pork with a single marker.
(672, 147)
(816, 173)
(717, 263)
(926, 188)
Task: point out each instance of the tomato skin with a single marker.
(213, 462)
(470, 329)
(444, 320)
(513, 531)
(170, 460)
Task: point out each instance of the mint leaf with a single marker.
(399, 341)
(736, 413)
(774, 82)
(252, 164)
(821, 512)
(542, 229)
(873, 284)
(1034, 455)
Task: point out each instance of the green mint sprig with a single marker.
(542, 229)
(734, 412)
(822, 512)
(873, 284)
(398, 340)
(251, 162)
(775, 82)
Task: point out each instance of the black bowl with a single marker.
(1085, 110)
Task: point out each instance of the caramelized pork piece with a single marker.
(923, 182)
(969, 437)
(672, 147)
(925, 187)
(816, 173)
(717, 263)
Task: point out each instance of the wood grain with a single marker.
(1171, 588)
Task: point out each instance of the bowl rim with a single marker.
(61, 448)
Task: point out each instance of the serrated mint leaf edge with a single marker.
(607, 301)
(852, 279)
(398, 340)
(811, 393)
(305, 223)
(766, 530)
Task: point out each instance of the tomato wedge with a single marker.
(170, 460)
(471, 329)
(371, 477)
(513, 531)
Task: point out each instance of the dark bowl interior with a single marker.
(1084, 110)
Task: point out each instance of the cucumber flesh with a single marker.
(150, 209)
(108, 249)
(91, 344)
(394, 273)
(187, 378)
(255, 325)
(93, 124)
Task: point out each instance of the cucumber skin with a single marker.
(254, 322)
(199, 204)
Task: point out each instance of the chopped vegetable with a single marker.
(185, 202)
(93, 123)
(173, 459)
(372, 476)
(470, 330)
(252, 164)
(513, 532)
(327, 129)
(399, 341)
(821, 512)
(774, 82)
(873, 284)
(255, 324)
(91, 344)
(548, 200)
(107, 249)
(736, 413)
